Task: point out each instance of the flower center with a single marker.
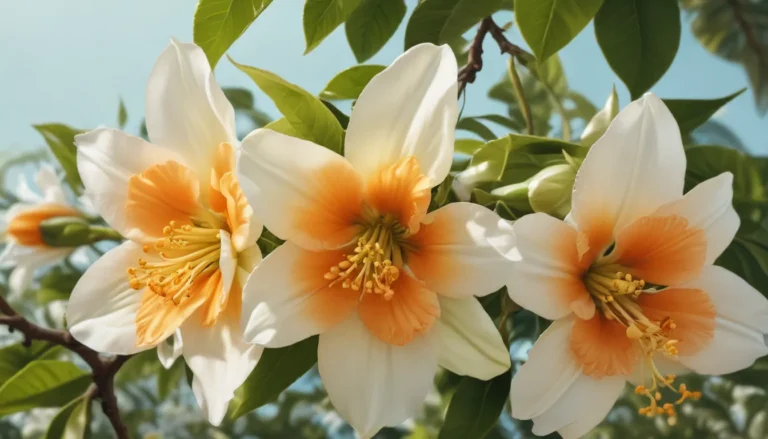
(615, 292)
(184, 253)
(372, 267)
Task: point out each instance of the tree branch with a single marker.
(104, 369)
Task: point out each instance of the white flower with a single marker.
(191, 235)
(387, 286)
(628, 279)
(25, 249)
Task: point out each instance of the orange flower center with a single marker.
(24, 228)
(616, 293)
(372, 267)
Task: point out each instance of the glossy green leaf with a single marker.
(306, 114)
(474, 125)
(639, 39)
(475, 407)
(15, 357)
(690, 113)
(284, 127)
(122, 115)
(548, 25)
(350, 83)
(43, 383)
(442, 21)
(61, 141)
(71, 422)
(467, 146)
(243, 102)
(372, 24)
(338, 114)
(218, 23)
(277, 369)
(321, 17)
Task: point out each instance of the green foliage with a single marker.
(307, 115)
(691, 113)
(277, 369)
(548, 25)
(218, 23)
(15, 357)
(445, 21)
(61, 141)
(475, 407)
(372, 24)
(321, 17)
(350, 83)
(71, 422)
(244, 103)
(122, 115)
(639, 39)
(42, 383)
(57, 284)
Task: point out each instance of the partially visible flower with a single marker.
(628, 279)
(25, 248)
(191, 234)
(388, 287)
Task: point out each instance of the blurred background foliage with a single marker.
(520, 161)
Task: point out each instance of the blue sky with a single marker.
(71, 61)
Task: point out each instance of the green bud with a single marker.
(600, 121)
(550, 190)
(513, 195)
(72, 231)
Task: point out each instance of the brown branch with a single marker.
(104, 369)
(468, 73)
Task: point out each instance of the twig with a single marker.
(104, 369)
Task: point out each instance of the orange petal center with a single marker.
(24, 228)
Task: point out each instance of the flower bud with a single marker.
(549, 191)
(67, 231)
(24, 226)
(600, 121)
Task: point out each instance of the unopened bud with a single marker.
(73, 232)
(549, 191)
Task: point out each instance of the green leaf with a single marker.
(168, 379)
(122, 114)
(690, 113)
(350, 83)
(548, 25)
(61, 141)
(467, 146)
(475, 407)
(15, 357)
(242, 101)
(71, 422)
(57, 284)
(443, 21)
(340, 116)
(639, 39)
(473, 125)
(218, 23)
(306, 114)
(277, 369)
(43, 383)
(321, 17)
(372, 24)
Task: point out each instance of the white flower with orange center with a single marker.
(191, 234)
(25, 250)
(387, 286)
(628, 279)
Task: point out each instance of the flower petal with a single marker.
(709, 207)
(102, 308)
(570, 416)
(637, 166)
(373, 384)
(106, 160)
(409, 109)
(602, 349)
(690, 309)
(185, 108)
(314, 201)
(245, 228)
(400, 190)
(468, 341)
(734, 347)
(169, 350)
(220, 359)
(548, 373)
(460, 250)
(287, 299)
(50, 186)
(545, 276)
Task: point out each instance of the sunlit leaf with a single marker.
(321, 17)
(122, 115)
(15, 357)
(442, 21)
(61, 141)
(218, 23)
(43, 383)
(71, 422)
(372, 24)
(350, 83)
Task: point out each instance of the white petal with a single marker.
(102, 309)
(106, 159)
(169, 350)
(50, 186)
(282, 305)
(637, 166)
(544, 276)
(468, 341)
(185, 107)
(460, 251)
(548, 373)
(409, 109)
(734, 347)
(373, 384)
(249, 258)
(582, 417)
(220, 360)
(27, 264)
(709, 206)
(227, 264)
(281, 177)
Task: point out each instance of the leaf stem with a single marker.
(520, 95)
